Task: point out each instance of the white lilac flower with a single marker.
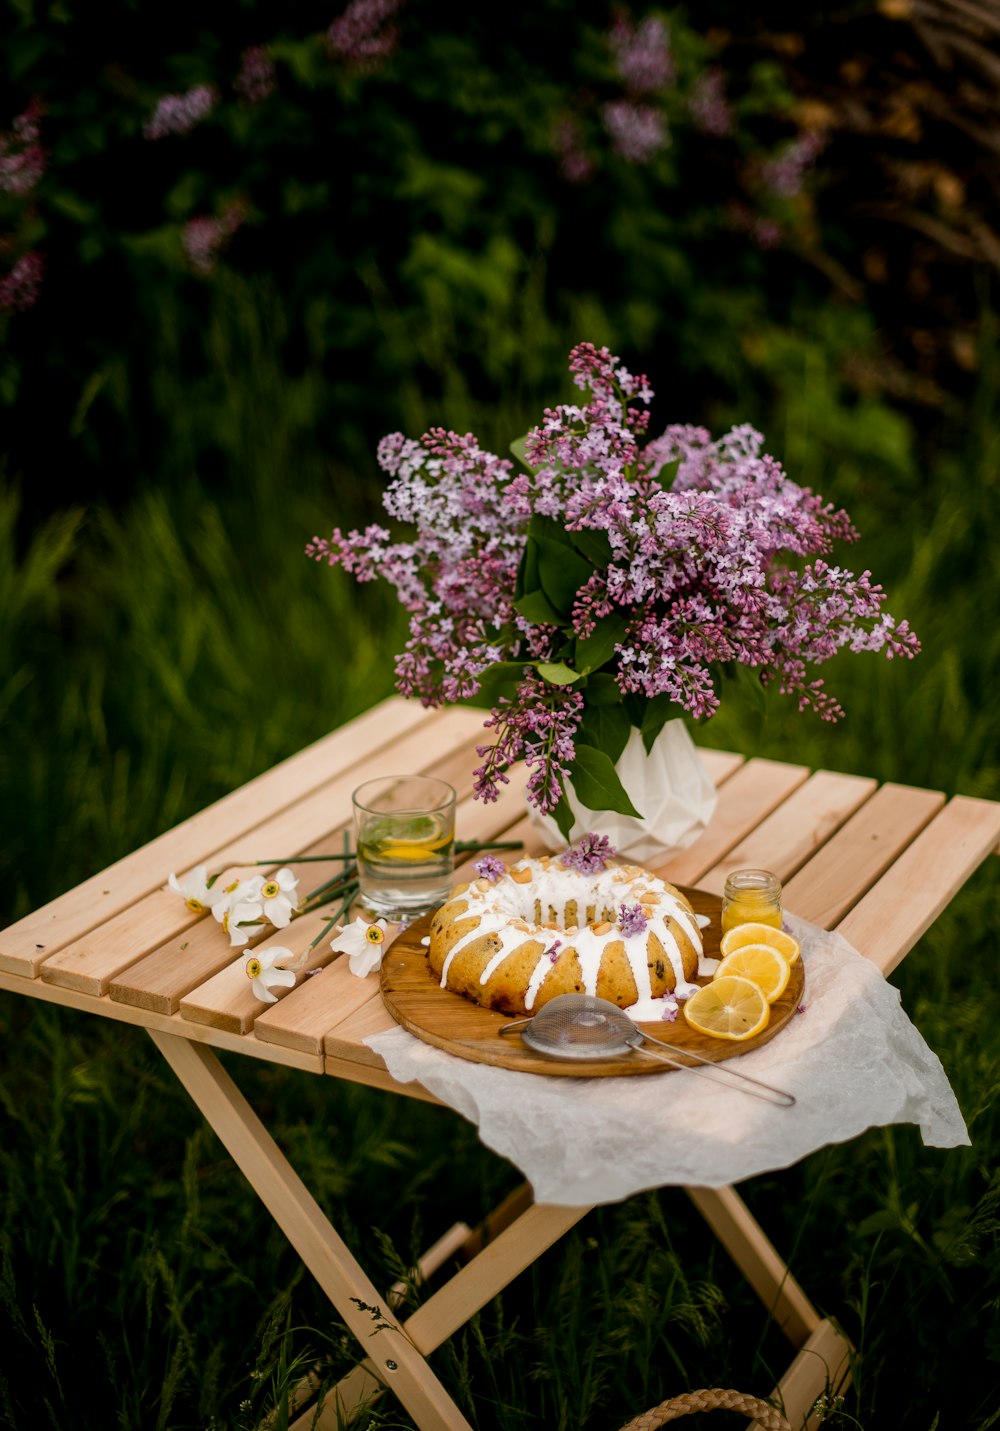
(275, 894)
(364, 944)
(262, 968)
(195, 890)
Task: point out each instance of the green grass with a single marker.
(153, 658)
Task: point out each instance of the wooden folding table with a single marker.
(877, 863)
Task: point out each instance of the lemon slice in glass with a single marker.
(762, 965)
(419, 837)
(777, 939)
(729, 1007)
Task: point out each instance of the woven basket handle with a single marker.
(716, 1399)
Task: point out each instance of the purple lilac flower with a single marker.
(589, 855)
(784, 174)
(764, 231)
(360, 36)
(537, 727)
(638, 132)
(575, 164)
(180, 113)
(714, 555)
(632, 920)
(641, 54)
(257, 77)
(22, 158)
(670, 1010)
(489, 867)
(204, 237)
(20, 288)
(456, 578)
(709, 107)
(553, 951)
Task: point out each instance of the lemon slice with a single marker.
(729, 1007)
(410, 849)
(760, 934)
(762, 965)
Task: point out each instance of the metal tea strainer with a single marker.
(581, 1026)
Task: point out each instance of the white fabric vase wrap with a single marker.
(670, 787)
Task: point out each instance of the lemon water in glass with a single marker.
(405, 832)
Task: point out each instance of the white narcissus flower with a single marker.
(240, 910)
(262, 968)
(274, 893)
(364, 944)
(195, 890)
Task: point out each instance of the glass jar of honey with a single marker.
(751, 897)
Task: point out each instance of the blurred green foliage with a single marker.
(412, 224)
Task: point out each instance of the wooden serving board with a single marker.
(414, 997)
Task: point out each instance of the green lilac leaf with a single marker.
(668, 474)
(547, 528)
(596, 782)
(750, 690)
(634, 705)
(659, 709)
(538, 609)
(606, 728)
(518, 449)
(562, 572)
(595, 546)
(602, 690)
(557, 674)
(563, 816)
(527, 571)
(500, 679)
(595, 650)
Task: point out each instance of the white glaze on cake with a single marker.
(535, 895)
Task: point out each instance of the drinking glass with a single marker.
(405, 840)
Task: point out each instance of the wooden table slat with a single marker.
(377, 1077)
(750, 794)
(98, 959)
(855, 857)
(166, 1023)
(346, 1038)
(720, 764)
(786, 838)
(428, 750)
(887, 923)
(24, 946)
(227, 999)
(91, 962)
(303, 1019)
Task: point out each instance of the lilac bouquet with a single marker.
(607, 584)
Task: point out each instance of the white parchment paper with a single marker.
(852, 1059)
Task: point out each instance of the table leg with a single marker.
(399, 1365)
(744, 1239)
(513, 1236)
(822, 1365)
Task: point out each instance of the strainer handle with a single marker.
(752, 1086)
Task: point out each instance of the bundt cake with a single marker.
(541, 928)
